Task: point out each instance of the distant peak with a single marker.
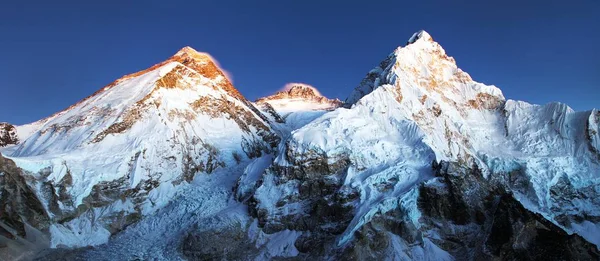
(421, 34)
(301, 90)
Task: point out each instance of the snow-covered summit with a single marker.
(299, 97)
(300, 91)
(421, 34)
(425, 62)
(296, 105)
(189, 51)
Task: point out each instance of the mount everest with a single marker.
(420, 162)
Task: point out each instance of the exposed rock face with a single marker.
(469, 217)
(468, 210)
(268, 108)
(8, 134)
(23, 217)
(372, 80)
(459, 212)
(314, 185)
(19, 203)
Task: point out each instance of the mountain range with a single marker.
(419, 162)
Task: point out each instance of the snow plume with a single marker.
(227, 73)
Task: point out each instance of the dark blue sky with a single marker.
(53, 54)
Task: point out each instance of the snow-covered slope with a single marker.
(416, 110)
(120, 154)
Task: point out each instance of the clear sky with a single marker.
(53, 54)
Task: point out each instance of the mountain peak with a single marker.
(422, 58)
(421, 34)
(189, 52)
(300, 92)
(295, 91)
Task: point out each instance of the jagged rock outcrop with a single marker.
(23, 217)
(8, 134)
(312, 184)
(19, 204)
(269, 110)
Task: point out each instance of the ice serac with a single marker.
(124, 152)
(423, 144)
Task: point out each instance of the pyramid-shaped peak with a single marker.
(201, 62)
(432, 61)
(192, 53)
(421, 34)
(187, 50)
